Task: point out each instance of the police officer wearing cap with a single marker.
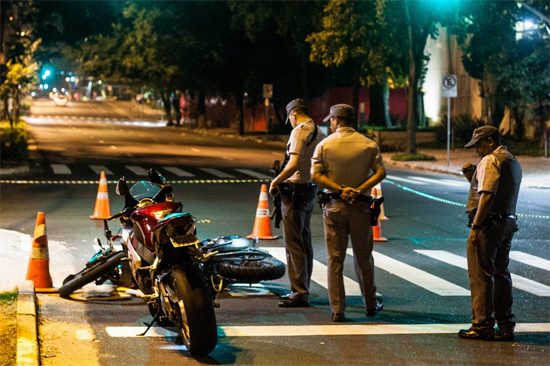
(298, 191)
(343, 164)
(491, 207)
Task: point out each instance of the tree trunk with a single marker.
(411, 90)
(240, 109)
(355, 92)
(201, 109)
(5, 110)
(378, 101)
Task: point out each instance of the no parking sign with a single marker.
(449, 86)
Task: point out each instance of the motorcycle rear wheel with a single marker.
(87, 275)
(252, 270)
(197, 321)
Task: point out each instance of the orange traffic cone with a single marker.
(102, 208)
(377, 232)
(39, 263)
(262, 224)
(377, 193)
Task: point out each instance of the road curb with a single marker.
(27, 325)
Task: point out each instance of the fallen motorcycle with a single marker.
(179, 275)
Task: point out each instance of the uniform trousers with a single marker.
(342, 222)
(296, 211)
(490, 280)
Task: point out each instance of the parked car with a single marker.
(60, 100)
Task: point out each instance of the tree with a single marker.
(512, 68)
(18, 47)
(361, 36)
(277, 32)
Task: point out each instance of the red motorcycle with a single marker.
(179, 275)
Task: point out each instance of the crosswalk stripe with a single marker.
(320, 330)
(254, 174)
(519, 282)
(217, 173)
(137, 170)
(100, 168)
(440, 181)
(530, 260)
(60, 169)
(178, 172)
(319, 274)
(393, 177)
(418, 277)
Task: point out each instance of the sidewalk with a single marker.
(536, 174)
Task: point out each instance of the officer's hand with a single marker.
(349, 194)
(274, 190)
(473, 236)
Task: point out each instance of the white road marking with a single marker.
(519, 282)
(321, 330)
(441, 181)
(530, 260)
(178, 172)
(420, 278)
(319, 274)
(253, 173)
(393, 177)
(137, 170)
(61, 169)
(217, 173)
(100, 168)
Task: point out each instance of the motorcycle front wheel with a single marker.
(89, 274)
(252, 269)
(197, 320)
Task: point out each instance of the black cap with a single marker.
(292, 105)
(482, 132)
(340, 110)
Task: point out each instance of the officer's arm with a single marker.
(373, 180)
(325, 182)
(483, 207)
(290, 168)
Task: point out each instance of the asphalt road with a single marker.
(419, 270)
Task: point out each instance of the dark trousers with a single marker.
(490, 280)
(296, 211)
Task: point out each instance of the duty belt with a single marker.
(502, 216)
(298, 186)
(360, 198)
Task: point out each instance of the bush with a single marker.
(13, 144)
(413, 157)
(462, 128)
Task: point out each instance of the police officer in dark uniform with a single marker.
(494, 189)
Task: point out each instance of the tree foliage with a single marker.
(19, 43)
(513, 68)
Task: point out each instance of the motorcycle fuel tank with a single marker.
(146, 219)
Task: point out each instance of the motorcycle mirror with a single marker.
(122, 187)
(156, 177)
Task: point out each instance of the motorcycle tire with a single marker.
(266, 269)
(197, 320)
(74, 282)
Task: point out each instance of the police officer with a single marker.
(297, 199)
(342, 164)
(494, 188)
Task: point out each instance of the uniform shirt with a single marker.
(347, 157)
(298, 142)
(499, 173)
